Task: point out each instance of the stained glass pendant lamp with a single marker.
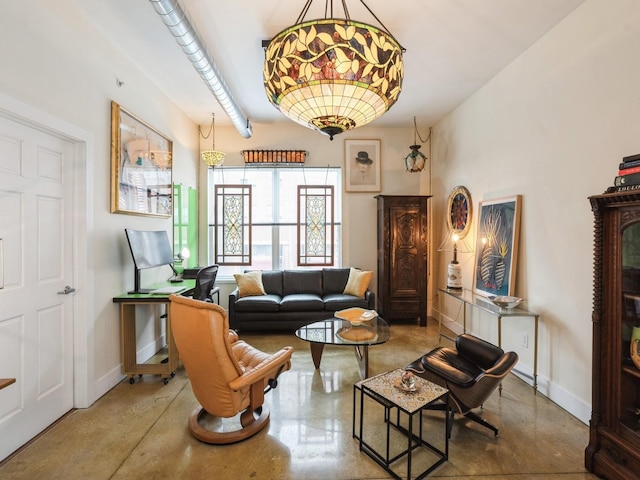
(213, 157)
(332, 74)
(416, 160)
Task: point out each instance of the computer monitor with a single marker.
(149, 249)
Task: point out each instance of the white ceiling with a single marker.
(453, 47)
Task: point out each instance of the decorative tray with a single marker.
(356, 315)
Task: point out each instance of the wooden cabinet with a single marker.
(402, 257)
(614, 438)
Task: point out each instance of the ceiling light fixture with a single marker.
(416, 160)
(213, 157)
(331, 74)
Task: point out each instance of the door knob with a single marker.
(67, 290)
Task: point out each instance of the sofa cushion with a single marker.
(262, 303)
(249, 284)
(339, 301)
(358, 282)
(272, 281)
(334, 280)
(302, 281)
(301, 302)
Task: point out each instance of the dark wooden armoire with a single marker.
(614, 433)
(402, 257)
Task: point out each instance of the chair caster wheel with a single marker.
(132, 380)
(173, 374)
(166, 380)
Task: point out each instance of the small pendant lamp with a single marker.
(416, 160)
(213, 157)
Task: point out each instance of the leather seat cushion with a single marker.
(301, 302)
(446, 363)
(258, 303)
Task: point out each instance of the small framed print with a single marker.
(497, 246)
(362, 165)
(141, 167)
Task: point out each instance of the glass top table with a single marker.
(335, 331)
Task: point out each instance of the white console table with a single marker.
(484, 304)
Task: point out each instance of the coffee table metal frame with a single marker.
(393, 400)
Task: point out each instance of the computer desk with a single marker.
(128, 348)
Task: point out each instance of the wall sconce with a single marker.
(416, 160)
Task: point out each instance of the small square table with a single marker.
(385, 390)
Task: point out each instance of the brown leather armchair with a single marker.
(471, 372)
(228, 376)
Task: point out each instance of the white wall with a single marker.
(553, 127)
(54, 60)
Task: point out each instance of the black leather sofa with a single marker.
(295, 298)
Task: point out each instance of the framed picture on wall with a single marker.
(141, 167)
(362, 165)
(497, 246)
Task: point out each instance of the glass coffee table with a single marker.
(335, 331)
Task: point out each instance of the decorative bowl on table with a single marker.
(356, 315)
(504, 301)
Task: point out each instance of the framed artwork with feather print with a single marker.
(497, 246)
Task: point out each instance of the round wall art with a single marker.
(459, 211)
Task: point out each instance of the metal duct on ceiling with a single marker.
(178, 23)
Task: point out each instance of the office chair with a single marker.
(471, 372)
(205, 279)
(228, 376)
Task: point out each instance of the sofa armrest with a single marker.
(233, 297)
(370, 297)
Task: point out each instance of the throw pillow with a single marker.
(358, 282)
(249, 284)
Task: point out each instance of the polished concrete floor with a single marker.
(140, 431)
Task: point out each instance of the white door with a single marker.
(36, 321)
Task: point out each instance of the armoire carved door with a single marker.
(402, 257)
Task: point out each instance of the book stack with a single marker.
(628, 174)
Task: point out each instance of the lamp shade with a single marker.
(213, 158)
(333, 75)
(416, 160)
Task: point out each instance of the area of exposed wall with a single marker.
(553, 127)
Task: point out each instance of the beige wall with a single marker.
(553, 127)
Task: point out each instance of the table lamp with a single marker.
(454, 270)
